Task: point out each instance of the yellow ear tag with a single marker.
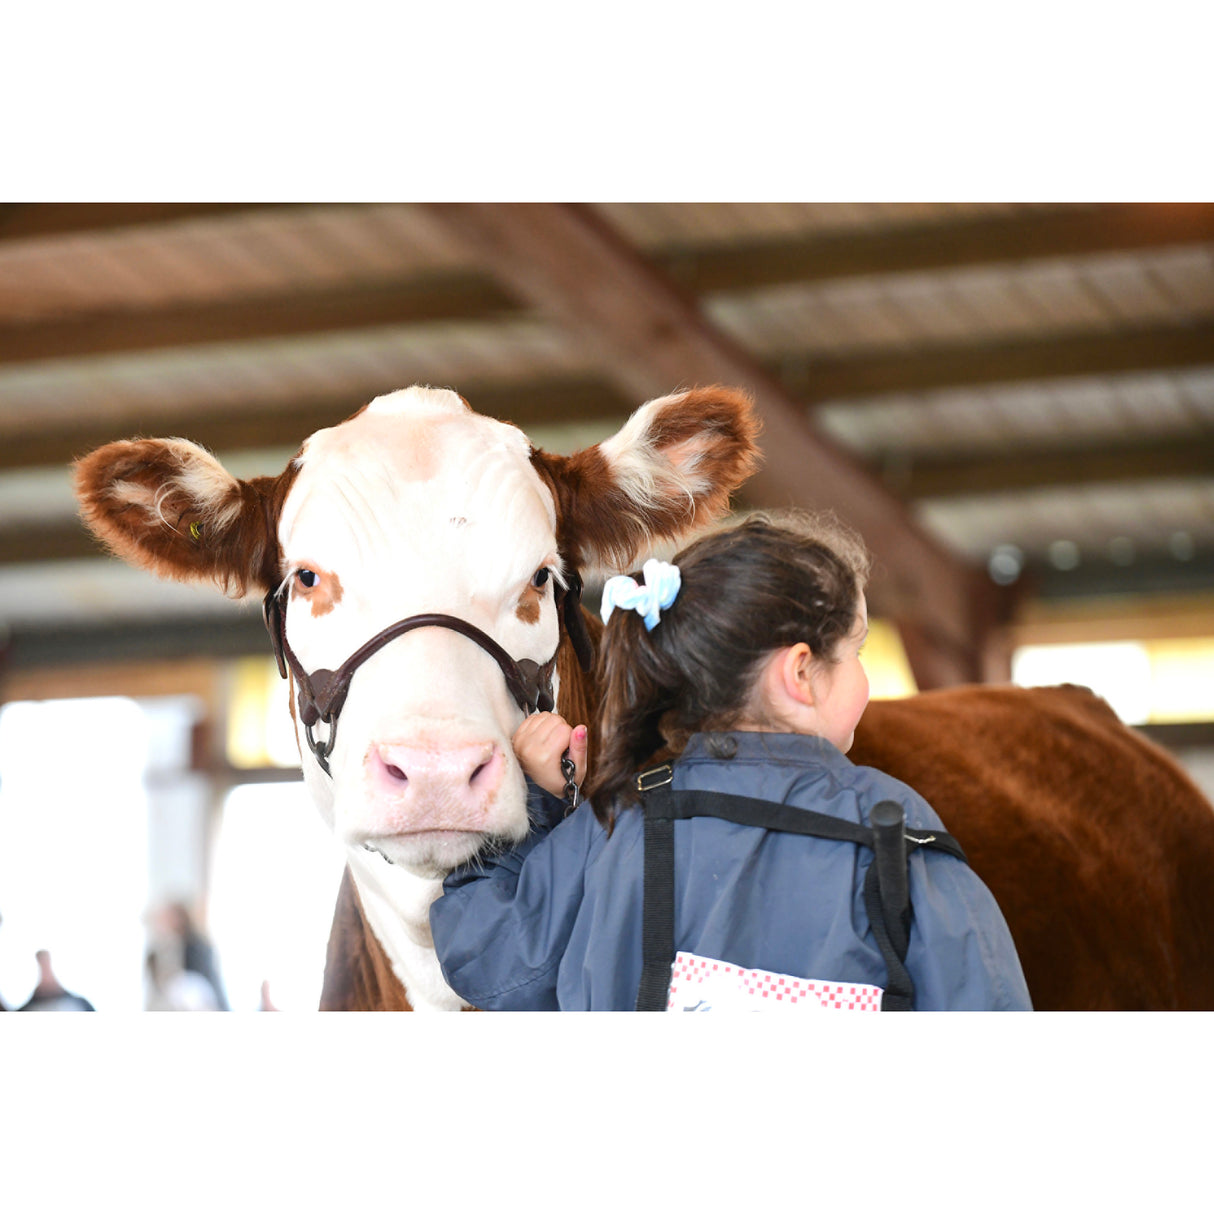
(196, 531)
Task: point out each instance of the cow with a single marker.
(421, 568)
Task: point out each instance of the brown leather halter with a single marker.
(323, 692)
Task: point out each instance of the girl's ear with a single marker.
(783, 696)
(796, 669)
(670, 469)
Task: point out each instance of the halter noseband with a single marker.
(323, 692)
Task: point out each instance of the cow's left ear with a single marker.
(170, 507)
(670, 469)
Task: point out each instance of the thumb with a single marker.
(578, 745)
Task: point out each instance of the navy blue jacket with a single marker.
(555, 924)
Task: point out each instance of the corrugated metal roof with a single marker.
(1034, 375)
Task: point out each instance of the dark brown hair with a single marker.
(746, 590)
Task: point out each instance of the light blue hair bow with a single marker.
(661, 587)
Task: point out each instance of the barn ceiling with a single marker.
(1014, 402)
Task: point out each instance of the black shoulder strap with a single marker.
(657, 914)
(886, 897)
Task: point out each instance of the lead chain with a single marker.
(573, 794)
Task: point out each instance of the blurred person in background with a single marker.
(50, 995)
(179, 948)
(173, 988)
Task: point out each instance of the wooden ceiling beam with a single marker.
(644, 333)
(222, 428)
(251, 423)
(817, 380)
(154, 640)
(289, 314)
(1071, 230)
(1017, 470)
(1153, 572)
(42, 542)
(39, 220)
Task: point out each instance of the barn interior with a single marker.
(1013, 403)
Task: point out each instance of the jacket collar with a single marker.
(763, 747)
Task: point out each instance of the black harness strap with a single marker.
(886, 897)
(322, 693)
(657, 916)
(887, 902)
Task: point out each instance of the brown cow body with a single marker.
(1096, 844)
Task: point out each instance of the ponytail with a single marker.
(746, 590)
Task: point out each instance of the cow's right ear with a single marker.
(170, 507)
(670, 469)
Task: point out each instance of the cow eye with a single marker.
(540, 576)
(307, 578)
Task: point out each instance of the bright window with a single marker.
(275, 873)
(886, 664)
(1154, 681)
(73, 848)
(260, 729)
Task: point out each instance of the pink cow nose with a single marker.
(441, 787)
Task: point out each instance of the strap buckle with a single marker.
(655, 777)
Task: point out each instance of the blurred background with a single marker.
(1014, 403)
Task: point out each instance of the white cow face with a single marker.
(418, 505)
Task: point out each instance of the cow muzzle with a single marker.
(429, 788)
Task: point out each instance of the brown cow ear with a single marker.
(170, 507)
(670, 469)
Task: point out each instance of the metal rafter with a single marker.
(1071, 230)
(866, 373)
(1027, 468)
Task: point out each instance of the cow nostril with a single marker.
(396, 773)
(478, 771)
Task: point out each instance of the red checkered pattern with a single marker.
(700, 984)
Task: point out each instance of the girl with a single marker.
(743, 660)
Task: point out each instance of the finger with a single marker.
(533, 728)
(554, 732)
(539, 743)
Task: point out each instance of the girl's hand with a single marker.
(541, 740)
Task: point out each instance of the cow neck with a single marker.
(322, 693)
